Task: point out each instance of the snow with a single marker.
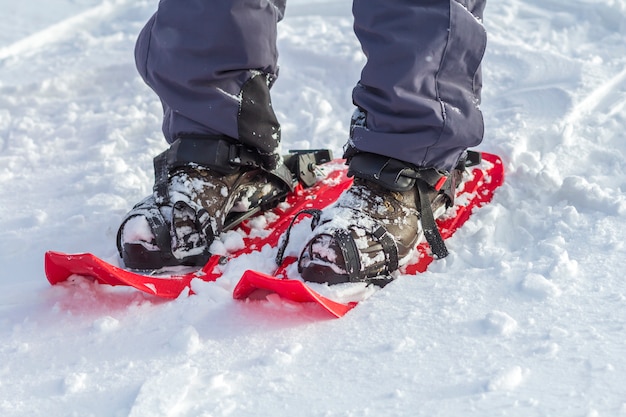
(526, 317)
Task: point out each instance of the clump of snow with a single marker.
(227, 243)
(499, 322)
(538, 286)
(507, 380)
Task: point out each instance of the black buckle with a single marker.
(303, 164)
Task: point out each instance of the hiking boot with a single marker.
(193, 203)
(374, 227)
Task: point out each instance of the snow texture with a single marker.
(526, 317)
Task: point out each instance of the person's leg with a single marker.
(212, 64)
(420, 88)
(417, 113)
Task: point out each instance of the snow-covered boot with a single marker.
(203, 186)
(372, 230)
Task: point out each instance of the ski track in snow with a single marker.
(526, 317)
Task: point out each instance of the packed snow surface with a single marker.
(525, 318)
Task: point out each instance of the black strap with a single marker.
(161, 176)
(225, 156)
(347, 245)
(350, 252)
(472, 159)
(390, 249)
(217, 152)
(316, 213)
(429, 226)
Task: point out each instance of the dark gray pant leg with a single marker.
(211, 63)
(420, 88)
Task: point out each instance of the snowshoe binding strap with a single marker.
(349, 250)
(396, 175)
(316, 213)
(225, 156)
(218, 153)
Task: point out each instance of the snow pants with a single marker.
(212, 64)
